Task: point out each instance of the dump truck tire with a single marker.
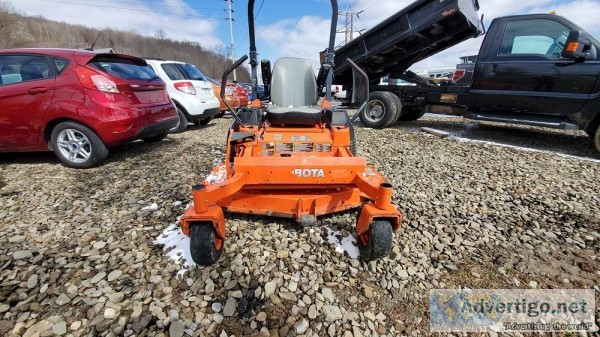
(381, 110)
(411, 114)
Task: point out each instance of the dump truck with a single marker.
(537, 69)
(423, 29)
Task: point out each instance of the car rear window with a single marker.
(191, 72)
(174, 73)
(123, 68)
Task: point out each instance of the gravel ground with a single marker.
(79, 254)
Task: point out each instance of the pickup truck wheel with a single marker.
(381, 110)
(77, 146)
(183, 122)
(411, 113)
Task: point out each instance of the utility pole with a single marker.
(348, 30)
(230, 11)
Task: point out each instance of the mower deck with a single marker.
(299, 173)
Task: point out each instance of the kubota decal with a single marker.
(309, 173)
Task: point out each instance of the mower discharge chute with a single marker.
(292, 158)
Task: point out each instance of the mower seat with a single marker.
(293, 93)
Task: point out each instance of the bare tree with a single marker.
(160, 34)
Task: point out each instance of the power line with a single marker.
(259, 9)
(133, 9)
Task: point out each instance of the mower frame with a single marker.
(315, 174)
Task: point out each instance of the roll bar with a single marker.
(254, 54)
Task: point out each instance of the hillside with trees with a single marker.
(18, 31)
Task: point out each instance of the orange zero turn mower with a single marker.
(292, 157)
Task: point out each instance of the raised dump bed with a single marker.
(416, 32)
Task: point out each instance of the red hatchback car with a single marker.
(78, 103)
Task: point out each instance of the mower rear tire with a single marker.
(381, 110)
(202, 244)
(380, 242)
(353, 145)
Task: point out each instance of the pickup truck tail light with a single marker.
(186, 87)
(458, 74)
(90, 79)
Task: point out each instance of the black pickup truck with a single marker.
(540, 69)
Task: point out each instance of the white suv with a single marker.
(192, 94)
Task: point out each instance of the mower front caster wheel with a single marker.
(380, 241)
(202, 244)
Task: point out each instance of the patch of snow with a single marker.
(521, 148)
(152, 207)
(176, 247)
(219, 174)
(434, 115)
(177, 203)
(346, 244)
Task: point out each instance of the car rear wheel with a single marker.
(183, 122)
(205, 121)
(77, 146)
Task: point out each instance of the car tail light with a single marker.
(337, 89)
(458, 74)
(90, 79)
(186, 87)
(229, 90)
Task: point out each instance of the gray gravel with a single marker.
(78, 254)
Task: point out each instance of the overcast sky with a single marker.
(285, 28)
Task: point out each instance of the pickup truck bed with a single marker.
(416, 32)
